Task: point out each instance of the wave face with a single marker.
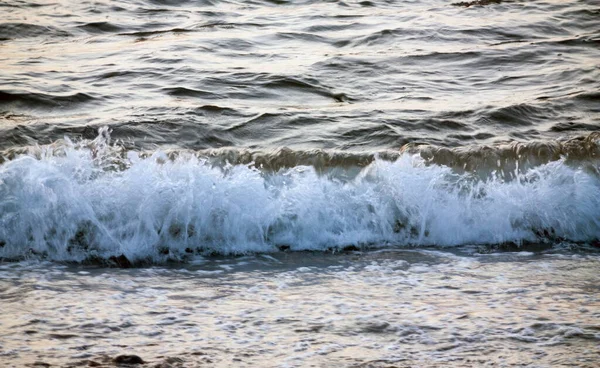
(94, 200)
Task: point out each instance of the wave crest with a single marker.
(75, 201)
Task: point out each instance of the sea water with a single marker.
(299, 183)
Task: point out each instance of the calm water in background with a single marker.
(178, 135)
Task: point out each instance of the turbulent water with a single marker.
(379, 309)
(167, 133)
(78, 203)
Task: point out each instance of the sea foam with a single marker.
(88, 200)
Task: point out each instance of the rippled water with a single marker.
(252, 156)
(408, 308)
(359, 75)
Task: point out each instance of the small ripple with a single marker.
(297, 84)
(156, 32)
(100, 27)
(519, 115)
(36, 100)
(589, 96)
(189, 92)
(387, 36)
(28, 30)
(574, 127)
(183, 2)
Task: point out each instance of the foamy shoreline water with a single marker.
(401, 308)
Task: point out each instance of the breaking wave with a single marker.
(95, 200)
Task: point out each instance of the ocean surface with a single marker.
(300, 183)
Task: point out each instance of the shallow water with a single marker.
(378, 309)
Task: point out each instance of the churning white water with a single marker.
(78, 201)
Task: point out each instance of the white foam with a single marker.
(76, 205)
